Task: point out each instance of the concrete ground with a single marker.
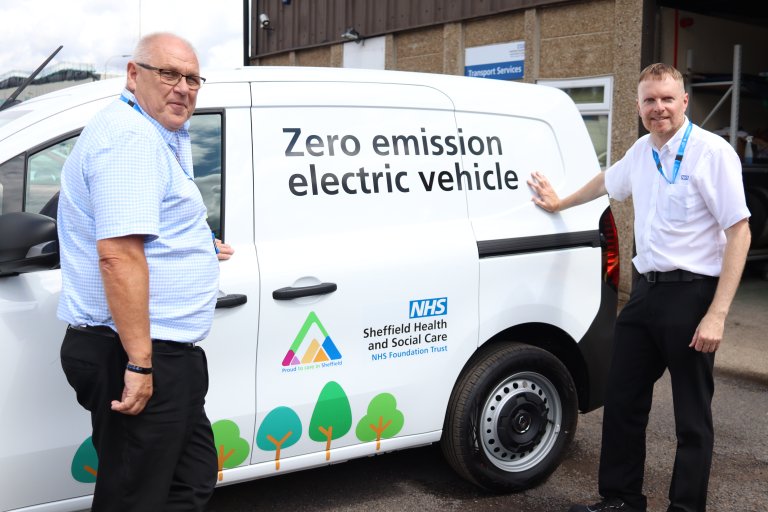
(743, 351)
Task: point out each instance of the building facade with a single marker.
(592, 49)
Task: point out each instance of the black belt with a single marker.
(674, 276)
(103, 330)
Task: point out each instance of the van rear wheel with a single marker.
(511, 417)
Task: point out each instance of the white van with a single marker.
(393, 284)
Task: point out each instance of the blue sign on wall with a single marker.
(499, 61)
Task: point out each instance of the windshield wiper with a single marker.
(11, 101)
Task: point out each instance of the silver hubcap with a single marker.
(520, 421)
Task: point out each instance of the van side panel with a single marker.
(353, 188)
(559, 288)
(535, 266)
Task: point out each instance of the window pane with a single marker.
(44, 174)
(579, 95)
(597, 126)
(11, 184)
(205, 132)
(592, 97)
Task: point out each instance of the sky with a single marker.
(99, 32)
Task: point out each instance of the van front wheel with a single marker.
(511, 417)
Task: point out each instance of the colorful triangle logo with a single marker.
(317, 351)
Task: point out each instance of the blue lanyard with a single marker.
(678, 158)
(137, 108)
(130, 103)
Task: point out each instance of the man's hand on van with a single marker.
(545, 196)
(224, 251)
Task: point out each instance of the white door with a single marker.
(368, 270)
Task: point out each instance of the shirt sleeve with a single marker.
(126, 185)
(722, 187)
(618, 179)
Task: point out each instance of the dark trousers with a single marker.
(652, 334)
(162, 459)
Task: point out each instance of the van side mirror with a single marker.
(28, 242)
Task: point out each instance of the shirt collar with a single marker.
(673, 143)
(169, 136)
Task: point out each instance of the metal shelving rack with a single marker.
(734, 91)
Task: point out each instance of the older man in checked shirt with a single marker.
(139, 286)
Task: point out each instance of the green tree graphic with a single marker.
(332, 417)
(232, 449)
(383, 420)
(282, 423)
(85, 463)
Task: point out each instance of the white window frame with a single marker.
(587, 109)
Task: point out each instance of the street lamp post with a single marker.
(106, 64)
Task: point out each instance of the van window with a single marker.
(44, 174)
(11, 184)
(205, 132)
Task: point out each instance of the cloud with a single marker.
(95, 32)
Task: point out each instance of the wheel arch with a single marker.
(555, 341)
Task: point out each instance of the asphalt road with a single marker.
(419, 480)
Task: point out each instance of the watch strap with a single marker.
(138, 369)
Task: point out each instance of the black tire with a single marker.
(525, 400)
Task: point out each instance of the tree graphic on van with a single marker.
(85, 463)
(318, 351)
(332, 416)
(383, 420)
(231, 449)
(280, 429)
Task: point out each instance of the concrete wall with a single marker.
(569, 40)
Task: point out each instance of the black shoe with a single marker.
(607, 505)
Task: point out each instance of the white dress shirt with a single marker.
(681, 225)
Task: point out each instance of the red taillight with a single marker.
(609, 238)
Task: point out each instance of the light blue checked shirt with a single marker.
(128, 175)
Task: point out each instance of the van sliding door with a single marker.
(368, 268)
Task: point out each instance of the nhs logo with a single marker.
(428, 307)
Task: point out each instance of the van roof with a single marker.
(478, 94)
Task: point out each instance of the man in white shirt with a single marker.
(692, 237)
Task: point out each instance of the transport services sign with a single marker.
(503, 61)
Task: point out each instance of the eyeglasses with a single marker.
(171, 77)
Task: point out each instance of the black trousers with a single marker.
(162, 459)
(652, 334)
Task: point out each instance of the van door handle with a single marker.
(291, 292)
(232, 300)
